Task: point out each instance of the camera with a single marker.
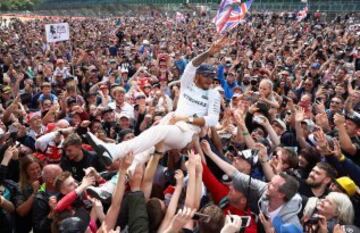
(314, 220)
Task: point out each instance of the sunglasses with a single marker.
(335, 102)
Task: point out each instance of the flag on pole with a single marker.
(230, 14)
(302, 14)
(180, 18)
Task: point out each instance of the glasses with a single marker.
(335, 102)
(246, 82)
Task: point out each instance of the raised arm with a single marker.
(150, 170)
(190, 69)
(345, 140)
(113, 212)
(171, 210)
(223, 165)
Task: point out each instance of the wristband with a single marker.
(342, 158)
(264, 160)
(245, 133)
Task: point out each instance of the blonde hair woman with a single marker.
(335, 208)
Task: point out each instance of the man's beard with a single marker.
(312, 184)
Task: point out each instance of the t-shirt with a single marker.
(274, 213)
(194, 101)
(356, 157)
(77, 168)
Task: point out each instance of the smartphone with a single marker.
(357, 64)
(245, 221)
(201, 217)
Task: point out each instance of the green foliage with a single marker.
(14, 5)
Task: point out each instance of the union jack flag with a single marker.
(302, 14)
(180, 18)
(230, 14)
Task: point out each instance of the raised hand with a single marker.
(322, 143)
(218, 45)
(205, 146)
(339, 119)
(232, 224)
(263, 155)
(88, 181)
(299, 114)
(10, 153)
(181, 218)
(52, 202)
(35, 186)
(126, 162)
(179, 177)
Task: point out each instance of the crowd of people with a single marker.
(144, 124)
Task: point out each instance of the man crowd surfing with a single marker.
(140, 124)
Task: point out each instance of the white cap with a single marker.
(146, 42)
(123, 115)
(281, 123)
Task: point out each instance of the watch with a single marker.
(190, 120)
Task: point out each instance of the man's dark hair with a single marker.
(330, 170)
(290, 187)
(72, 140)
(217, 219)
(155, 213)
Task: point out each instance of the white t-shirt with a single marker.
(274, 213)
(196, 102)
(126, 109)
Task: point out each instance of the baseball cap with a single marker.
(280, 122)
(72, 225)
(32, 115)
(315, 65)
(124, 115)
(309, 123)
(50, 127)
(6, 89)
(139, 95)
(235, 96)
(207, 70)
(106, 110)
(346, 184)
(355, 117)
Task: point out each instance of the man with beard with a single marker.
(318, 182)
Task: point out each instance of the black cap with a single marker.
(355, 117)
(71, 100)
(207, 70)
(72, 225)
(106, 110)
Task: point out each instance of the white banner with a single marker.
(57, 32)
